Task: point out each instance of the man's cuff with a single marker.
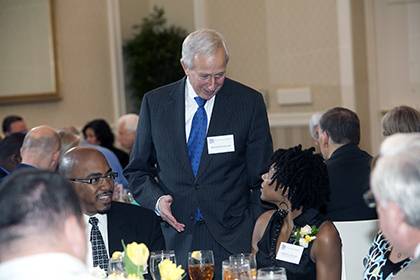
(157, 210)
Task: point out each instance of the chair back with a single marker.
(356, 237)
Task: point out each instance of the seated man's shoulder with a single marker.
(133, 210)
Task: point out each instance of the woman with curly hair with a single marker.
(297, 183)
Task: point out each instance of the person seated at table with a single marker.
(10, 153)
(383, 262)
(42, 233)
(98, 132)
(297, 183)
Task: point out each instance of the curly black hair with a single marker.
(303, 174)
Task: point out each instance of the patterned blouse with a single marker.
(377, 264)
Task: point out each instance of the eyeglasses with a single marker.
(369, 199)
(110, 175)
(208, 77)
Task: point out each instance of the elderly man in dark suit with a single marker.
(348, 166)
(201, 145)
(107, 222)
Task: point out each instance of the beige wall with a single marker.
(361, 73)
(84, 69)
(132, 12)
(303, 51)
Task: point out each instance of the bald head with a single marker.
(83, 157)
(91, 177)
(41, 148)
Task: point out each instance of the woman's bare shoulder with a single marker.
(261, 224)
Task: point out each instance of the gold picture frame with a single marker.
(28, 68)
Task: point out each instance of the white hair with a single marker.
(130, 121)
(314, 124)
(396, 176)
(203, 41)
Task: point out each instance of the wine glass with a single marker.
(201, 265)
(242, 258)
(271, 273)
(156, 258)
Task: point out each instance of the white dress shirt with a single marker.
(103, 228)
(417, 251)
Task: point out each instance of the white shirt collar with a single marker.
(417, 251)
(190, 92)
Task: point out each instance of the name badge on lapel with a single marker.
(220, 144)
(289, 253)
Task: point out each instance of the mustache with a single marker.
(105, 193)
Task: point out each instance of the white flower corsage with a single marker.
(305, 235)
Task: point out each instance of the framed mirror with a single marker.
(28, 58)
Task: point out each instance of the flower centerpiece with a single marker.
(305, 235)
(134, 264)
(135, 260)
(169, 271)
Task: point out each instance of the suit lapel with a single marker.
(219, 119)
(176, 108)
(118, 227)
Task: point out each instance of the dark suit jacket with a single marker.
(160, 165)
(23, 165)
(3, 173)
(349, 173)
(133, 223)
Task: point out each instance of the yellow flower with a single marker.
(169, 271)
(116, 255)
(138, 253)
(309, 238)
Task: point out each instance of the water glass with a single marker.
(116, 268)
(250, 258)
(156, 258)
(201, 265)
(271, 273)
(236, 270)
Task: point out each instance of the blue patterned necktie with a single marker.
(99, 254)
(197, 135)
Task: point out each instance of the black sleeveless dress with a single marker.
(266, 255)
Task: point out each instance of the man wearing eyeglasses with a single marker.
(107, 222)
(201, 145)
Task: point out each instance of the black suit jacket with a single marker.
(23, 165)
(160, 165)
(349, 173)
(3, 173)
(133, 223)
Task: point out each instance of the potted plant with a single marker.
(152, 56)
